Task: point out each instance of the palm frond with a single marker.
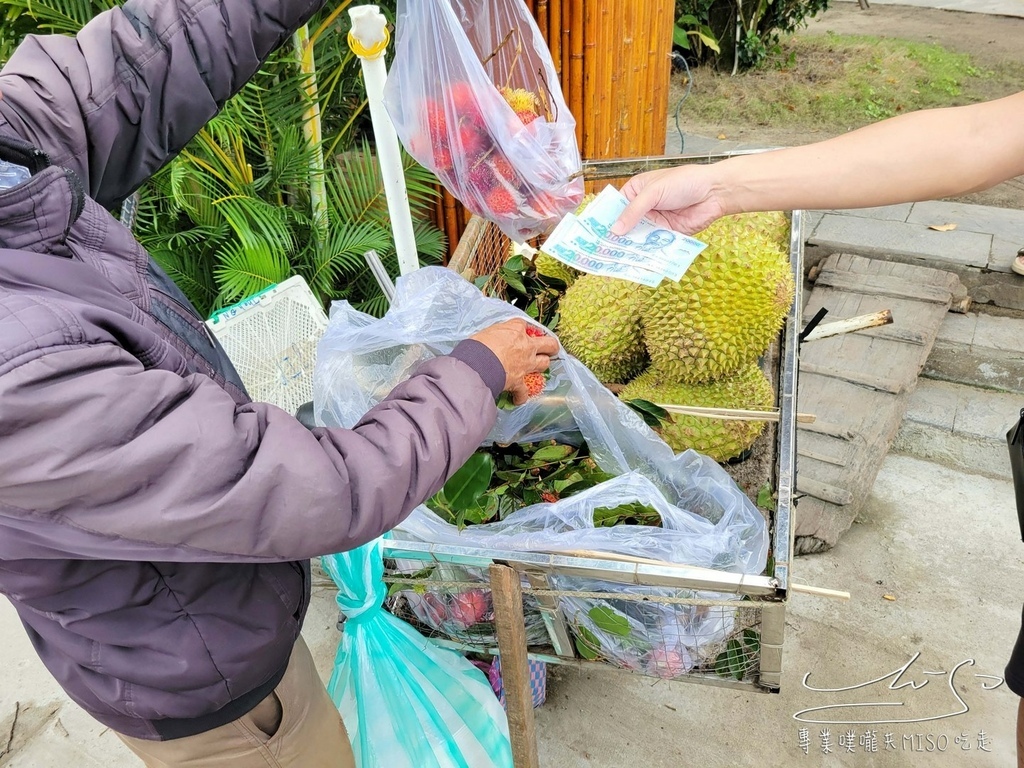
(329, 269)
(247, 268)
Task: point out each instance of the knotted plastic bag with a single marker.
(406, 702)
(474, 97)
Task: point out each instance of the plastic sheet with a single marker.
(406, 702)
(511, 158)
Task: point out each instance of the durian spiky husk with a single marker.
(720, 439)
(727, 308)
(549, 266)
(600, 325)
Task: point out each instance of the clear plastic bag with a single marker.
(360, 359)
(474, 97)
(462, 612)
(406, 703)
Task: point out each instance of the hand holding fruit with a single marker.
(521, 353)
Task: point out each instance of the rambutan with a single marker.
(481, 176)
(470, 140)
(527, 116)
(466, 103)
(437, 122)
(520, 99)
(501, 202)
(443, 158)
(503, 168)
(535, 383)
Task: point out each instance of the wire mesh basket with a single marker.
(649, 617)
(271, 340)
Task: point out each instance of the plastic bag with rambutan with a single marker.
(474, 97)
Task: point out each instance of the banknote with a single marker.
(646, 254)
(574, 245)
(673, 249)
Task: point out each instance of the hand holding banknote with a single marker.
(646, 254)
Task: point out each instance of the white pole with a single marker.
(368, 40)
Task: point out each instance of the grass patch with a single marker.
(838, 82)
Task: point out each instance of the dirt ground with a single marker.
(990, 40)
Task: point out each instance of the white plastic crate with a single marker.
(271, 339)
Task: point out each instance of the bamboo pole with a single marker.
(567, 38)
(578, 38)
(624, 87)
(650, 82)
(603, 52)
(553, 35)
(541, 15)
(588, 73)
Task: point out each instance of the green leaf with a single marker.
(707, 37)
(607, 619)
(514, 281)
(752, 640)
(589, 481)
(465, 487)
(681, 38)
(722, 664)
(764, 497)
(552, 453)
(653, 415)
(587, 644)
(515, 263)
(737, 659)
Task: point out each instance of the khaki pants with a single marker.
(296, 725)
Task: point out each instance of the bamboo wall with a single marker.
(612, 59)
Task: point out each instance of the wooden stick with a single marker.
(735, 414)
(507, 595)
(850, 324)
(833, 594)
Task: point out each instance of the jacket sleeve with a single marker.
(105, 459)
(125, 95)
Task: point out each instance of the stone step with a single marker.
(960, 426)
(979, 249)
(981, 350)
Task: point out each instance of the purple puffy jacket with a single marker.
(156, 525)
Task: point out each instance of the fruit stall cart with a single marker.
(559, 606)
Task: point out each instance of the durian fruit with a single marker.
(775, 224)
(600, 325)
(549, 266)
(726, 309)
(720, 439)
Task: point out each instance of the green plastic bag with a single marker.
(406, 702)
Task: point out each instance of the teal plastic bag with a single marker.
(406, 702)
